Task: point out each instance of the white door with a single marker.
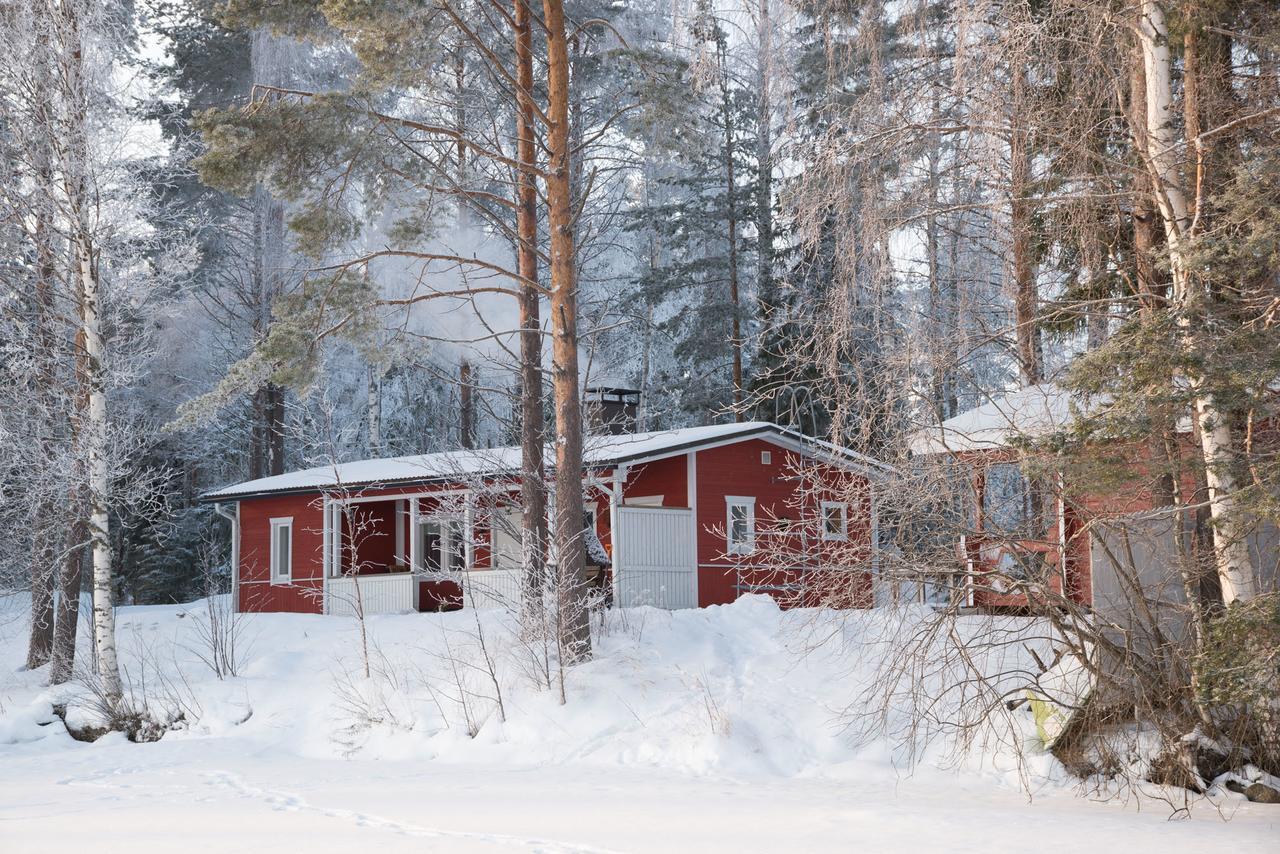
(656, 558)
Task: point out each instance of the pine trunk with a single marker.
(570, 551)
(764, 159)
(533, 488)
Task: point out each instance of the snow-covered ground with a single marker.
(697, 730)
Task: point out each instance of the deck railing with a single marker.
(389, 593)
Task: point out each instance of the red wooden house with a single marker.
(678, 516)
(1078, 533)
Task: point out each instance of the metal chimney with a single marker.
(611, 410)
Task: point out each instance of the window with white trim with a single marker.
(442, 542)
(835, 520)
(766, 458)
(740, 524)
(282, 550)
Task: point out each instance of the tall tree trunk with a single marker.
(1217, 442)
(43, 571)
(940, 321)
(93, 421)
(460, 123)
(764, 158)
(95, 429)
(467, 407)
(373, 409)
(570, 548)
(267, 440)
(1025, 298)
(731, 226)
(533, 485)
(70, 580)
(47, 523)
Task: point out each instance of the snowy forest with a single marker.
(242, 238)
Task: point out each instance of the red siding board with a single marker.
(305, 593)
(780, 493)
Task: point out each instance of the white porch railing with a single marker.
(379, 594)
(491, 588)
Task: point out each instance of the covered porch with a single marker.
(446, 549)
(426, 551)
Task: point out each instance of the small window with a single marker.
(1012, 505)
(589, 517)
(835, 520)
(282, 550)
(766, 458)
(740, 525)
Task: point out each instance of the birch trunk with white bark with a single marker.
(93, 416)
(95, 427)
(1217, 442)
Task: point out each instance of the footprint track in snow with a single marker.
(291, 802)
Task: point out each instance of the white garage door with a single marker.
(657, 558)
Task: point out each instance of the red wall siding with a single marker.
(737, 470)
(257, 593)
(1132, 494)
(668, 478)
(376, 523)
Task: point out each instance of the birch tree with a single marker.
(1217, 440)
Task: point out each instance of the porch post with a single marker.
(468, 532)
(400, 514)
(335, 538)
(413, 550)
(326, 552)
(1062, 532)
(880, 593)
(415, 561)
(615, 533)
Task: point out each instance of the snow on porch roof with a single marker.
(600, 452)
(1032, 411)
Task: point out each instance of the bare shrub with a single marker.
(376, 695)
(220, 628)
(151, 704)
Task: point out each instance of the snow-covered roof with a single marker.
(1035, 410)
(599, 452)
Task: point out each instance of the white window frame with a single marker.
(277, 577)
(843, 534)
(766, 458)
(451, 525)
(749, 502)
